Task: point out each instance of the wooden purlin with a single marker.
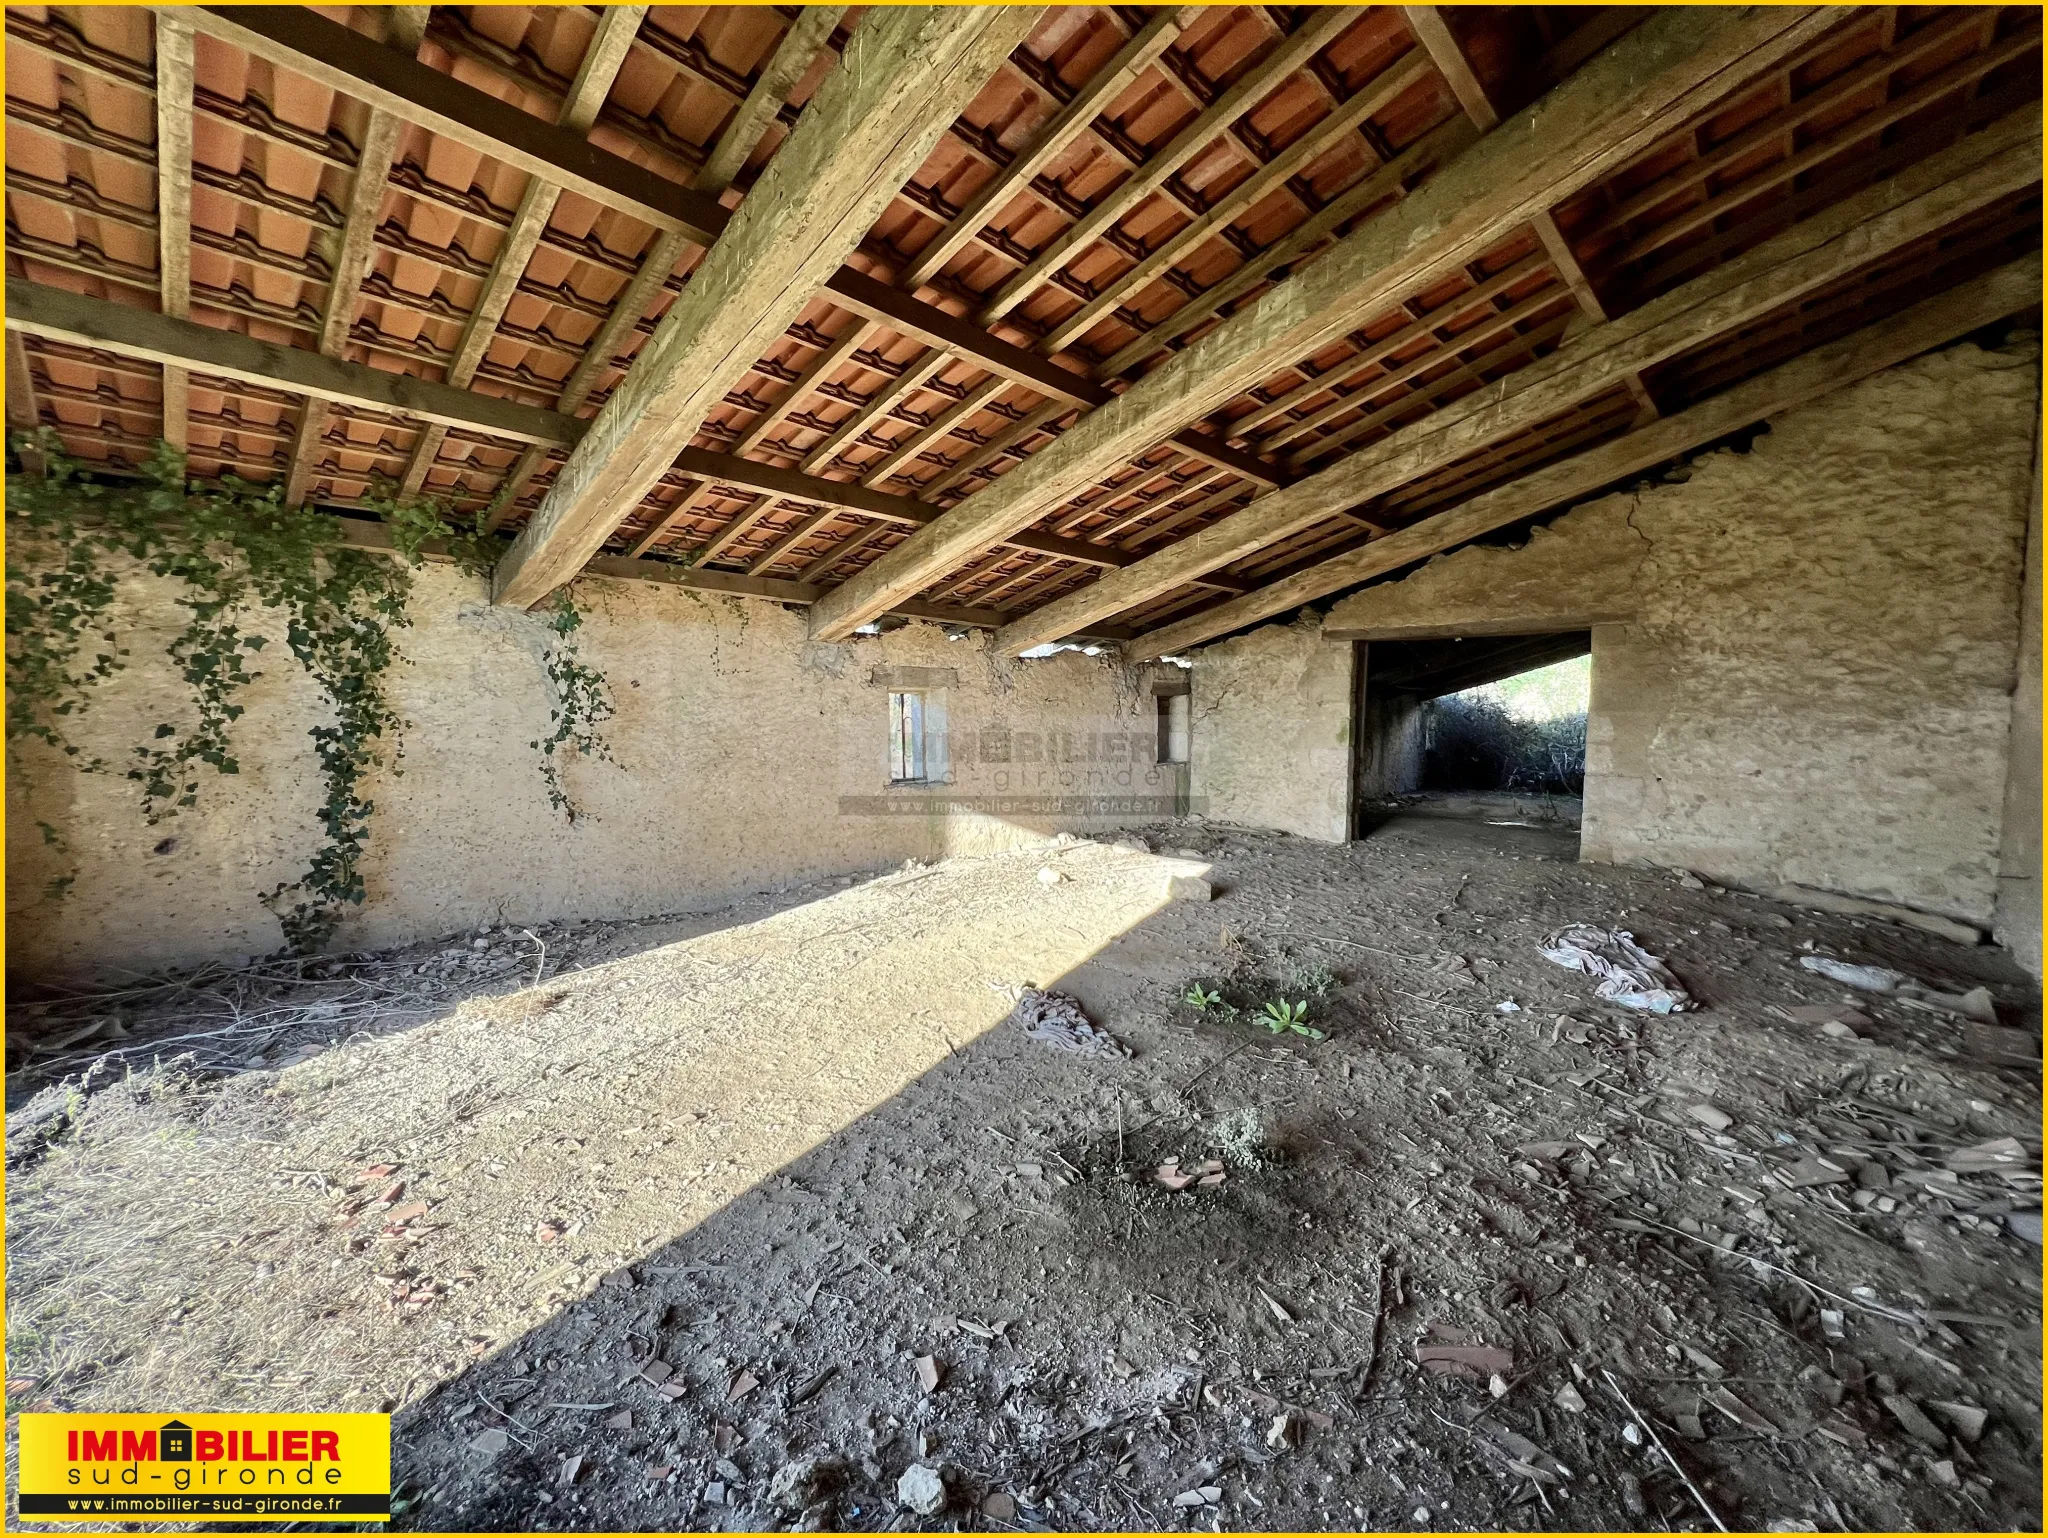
(356, 248)
(1928, 324)
(1890, 217)
(1665, 72)
(616, 26)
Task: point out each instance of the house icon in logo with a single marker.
(174, 1443)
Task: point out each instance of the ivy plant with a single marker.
(583, 703)
(236, 552)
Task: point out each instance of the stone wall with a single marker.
(2017, 922)
(1272, 731)
(747, 758)
(1804, 654)
(1392, 731)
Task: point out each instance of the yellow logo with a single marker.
(216, 1468)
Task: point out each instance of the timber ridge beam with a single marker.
(1653, 80)
(1929, 324)
(37, 309)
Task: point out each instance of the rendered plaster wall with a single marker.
(1272, 731)
(1803, 655)
(2018, 919)
(747, 758)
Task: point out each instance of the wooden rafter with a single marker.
(398, 85)
(1503, 345)
(753, 513)
(1374, 368)
(1288, 55)
(174, 202)
(1954, 78)
(356, 248)
(1890, 217)
(1659, 76)
(903, 77)
(1931, 323)
(1434, 33)
(893, 464)
(876, 408)
(616, 26)
(1342, 123)
(1066, 125)
(764, 101)
(1778, 128)
(1387, 184)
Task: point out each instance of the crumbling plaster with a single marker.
(747, 757)
(1803, 654)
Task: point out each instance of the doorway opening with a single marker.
(1488, 727)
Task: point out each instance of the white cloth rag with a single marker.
(1629, 975)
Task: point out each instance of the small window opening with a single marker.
(917, 737)
(1173, 728)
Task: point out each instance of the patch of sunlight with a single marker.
(1542, 694)
(425, 1197)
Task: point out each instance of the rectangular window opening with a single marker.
(1173, 728)
(917, 737)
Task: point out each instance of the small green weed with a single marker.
(1277, 1015)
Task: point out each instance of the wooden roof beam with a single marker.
(1929, 324)
(1287, 55)
(904, 76)
(616, 28)
(174, 83)
(1893, 215)
(356, 249)
(761, 107)
(1658, 77)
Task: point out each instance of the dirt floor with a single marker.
(769, 1218)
